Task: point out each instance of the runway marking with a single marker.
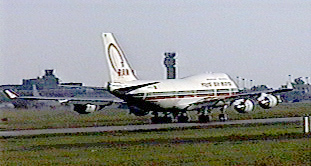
(144, 127)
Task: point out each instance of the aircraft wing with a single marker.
(72, 100)
(258, 93)
(219, 101)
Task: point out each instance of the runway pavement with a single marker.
(144, 127)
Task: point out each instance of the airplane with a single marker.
(168, 100)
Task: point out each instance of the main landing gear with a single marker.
(204, 115)
(168, 117)
(162, 117)
(182, 116)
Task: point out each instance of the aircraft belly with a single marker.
(184, 103)
(167, 103)
(176, 102)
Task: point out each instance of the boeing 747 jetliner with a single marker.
(168, 100)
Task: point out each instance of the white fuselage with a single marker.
(179, 93)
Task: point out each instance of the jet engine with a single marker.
(85, 108)
(267, 101)
(243, 105)
(137, 111)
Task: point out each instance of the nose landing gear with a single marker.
(223, 116)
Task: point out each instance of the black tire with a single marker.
(205, 118)
(182, 119)
(155, 120)
(223, 117)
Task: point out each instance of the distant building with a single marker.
(301, 92)
(47, 81)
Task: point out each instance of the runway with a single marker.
(145, 127)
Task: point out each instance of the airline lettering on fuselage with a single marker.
(211, 84)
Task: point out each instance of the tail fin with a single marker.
(120, 70)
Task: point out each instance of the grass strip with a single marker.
(256, 145)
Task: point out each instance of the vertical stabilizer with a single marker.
(119, 68)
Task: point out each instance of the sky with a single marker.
(264, 41)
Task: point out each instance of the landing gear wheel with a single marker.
(182, 117)
(205, 118)
(161, 119)
(223, 117)
(167, 120)
(204, 115)
(155, 120)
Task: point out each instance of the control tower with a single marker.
(170, 63)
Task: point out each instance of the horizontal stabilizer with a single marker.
(123, 91)
(11, 94)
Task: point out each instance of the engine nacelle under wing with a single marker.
(85, 108)
(267, 101)
(243, 105)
